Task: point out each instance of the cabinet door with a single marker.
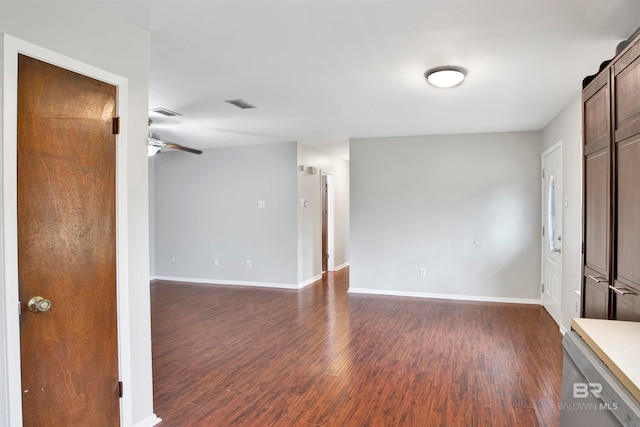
(627, 306)
(627, 224)
(597, 212)
(597, 197)
(626, 99)
(596, 296)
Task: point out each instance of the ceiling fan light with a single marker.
(445, 77)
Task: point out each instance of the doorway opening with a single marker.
(327, 191)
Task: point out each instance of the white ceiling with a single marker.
(322, 72)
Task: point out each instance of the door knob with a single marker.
(39, 304)
(557, 250)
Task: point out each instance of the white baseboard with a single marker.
(563, 330)
(309, 281)
(341, 266)
(444, 296)
(150, 421)
(227, 282)
(239, 282)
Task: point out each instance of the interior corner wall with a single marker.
(86, 31)
(310, 216)
(567, 127)
(206, 208)
(466, 208)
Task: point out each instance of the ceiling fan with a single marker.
(155, 144)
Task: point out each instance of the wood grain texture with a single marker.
(596, 297)
(627, 91)
(628, 211)
(627, 186)
(66, 247)
(239, 356)
(597, 205)
(596, 119)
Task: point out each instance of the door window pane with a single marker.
(552, 211)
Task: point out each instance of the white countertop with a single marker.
(617, 343)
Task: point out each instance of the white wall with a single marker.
(310, 217)
(152, 217)
(464, 207)
(85, 31)
(206, 207)
(567, 127)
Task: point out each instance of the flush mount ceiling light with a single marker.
(445, 77)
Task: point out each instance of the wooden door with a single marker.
(597, 198)
(626, 98)
(66, 247)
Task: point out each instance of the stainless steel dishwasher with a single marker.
(591, 394)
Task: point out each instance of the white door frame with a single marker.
(554, 147)
(10, 375)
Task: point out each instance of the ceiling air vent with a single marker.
(165, 112)
(240, 103)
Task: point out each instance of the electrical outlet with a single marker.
(248, 263)
(216, 262)
(423, 272)
(173, 259)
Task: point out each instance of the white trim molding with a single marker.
(150, 421)
(444, 296)
(209, 281)
(341, 266)
(309, 281)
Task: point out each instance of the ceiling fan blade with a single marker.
(180, 147)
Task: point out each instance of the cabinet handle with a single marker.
(621, 291)
(598, 279)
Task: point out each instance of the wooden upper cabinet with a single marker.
(626, 83)
(597, 173)
(596, 100)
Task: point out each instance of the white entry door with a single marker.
(552, 203)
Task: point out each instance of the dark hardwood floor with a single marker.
(240, 356)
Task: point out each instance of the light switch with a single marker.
(261, 204)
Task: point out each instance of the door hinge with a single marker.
(19, 308)
(543, 173)
(116, 126)
(543, 231)
(543, 288)
(582, 248)
(120, 389)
